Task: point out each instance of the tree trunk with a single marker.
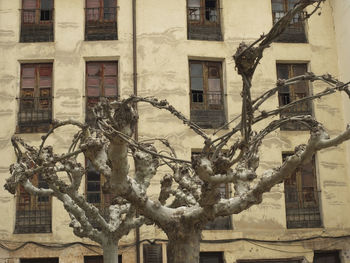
(184, 246)
(110, 252)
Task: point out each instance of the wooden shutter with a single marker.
(93, 259)
(326, 257)
(152, 253)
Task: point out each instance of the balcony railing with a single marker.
(207, 109)
(33, 214)
(302, 208)
(35, 114)
(37, 25)
(101, 23)
(295, 32)
(302, 108)
(204, 23)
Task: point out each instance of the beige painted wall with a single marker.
(163, 54)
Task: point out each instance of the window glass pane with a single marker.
(46, 4)
(29, 4)
(210, 3)
(214, 85)
(277, 5)
(92, 3)
(196, 84)
(196, 70)
(109, 3)
(291, 4)
(282, 71)
(194, 3)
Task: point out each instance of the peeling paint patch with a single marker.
(5, 199)
(7, 33)
(4, 169)
(334, 184)
(68, 25)
(68, 93)
(65, 115)
(332, 165)
(6, 112)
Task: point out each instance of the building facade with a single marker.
(58, 57)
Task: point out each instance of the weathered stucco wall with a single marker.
(163, 54)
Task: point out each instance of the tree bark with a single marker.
(184, 245)
(110, 252)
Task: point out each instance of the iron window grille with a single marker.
(101, 20)
(37, 21)
(33, 213)
(203, 20)
(152, 253)
(302, 198)
(35, 102)
(206, 94)
(295, 32)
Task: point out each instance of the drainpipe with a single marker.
(134, 60)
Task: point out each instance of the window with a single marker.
(39, 260)
(326, 257)
(98, 259)
(293, 93)
(33, 213)
(94, 192)
(37, 21)
(35, 102)
(152, 253)
(211, 257)
(222, 222)
(295, 33)
(101, 20)
(302, 198)
(207, 106)
(203, 20)
(101, 82)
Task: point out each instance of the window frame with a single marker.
(305, 198)
(35, 203)
(101, 87)
(41, 97)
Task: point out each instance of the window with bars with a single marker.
(302, 197)
(101, 82)
(99, 259)
(206, 94)
(35, 101)
(295, 32)
(203, 20)
(37, 21)
(39, 260)
(152, 253)
(101, 20)
(326, 257)
(211, 257)
(293, 92)
(33, 213)
(94, 192)
(222, 222)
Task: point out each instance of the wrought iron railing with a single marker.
(101, 23)
(33, 214)
(204, 23)
(296, 29)
(302, 208)
(207, 109)
(35, 114)
(37, 25)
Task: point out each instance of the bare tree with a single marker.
(189, 197)
(103, 227)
